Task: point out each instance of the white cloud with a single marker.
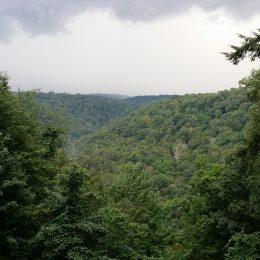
(100, 53)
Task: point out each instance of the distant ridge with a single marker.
(114, 96)
(85, 113)
(147, 99)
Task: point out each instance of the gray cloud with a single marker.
(49, 16)
(150, 9)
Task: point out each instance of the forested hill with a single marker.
(174, 179)
(167, 136)
(151, 185)
(147, 99)
(86, 113)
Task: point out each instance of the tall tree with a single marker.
(223, 216)
(140, 207)
(73, 231)
(25, 171)
(245, 184)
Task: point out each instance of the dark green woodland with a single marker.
(149, 177)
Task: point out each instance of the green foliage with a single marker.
(136, 195)
(124, 238)
(172, 154)
(244, 246)
(229, 198)
(53, 140)
(133, 217)
(168, 135)
(25, 171)
(73, 231)
(250, 47)
(86, 113)
(203, 233)
(174, 179)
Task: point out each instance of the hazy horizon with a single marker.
(129, 48)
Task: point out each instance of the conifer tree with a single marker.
(73, 230)
(25, 171)
(250, 47)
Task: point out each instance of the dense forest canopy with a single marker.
(83, 114)
(177, 178)
(168, 135)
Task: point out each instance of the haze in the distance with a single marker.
(129, 47)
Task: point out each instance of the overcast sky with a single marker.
(132, 47)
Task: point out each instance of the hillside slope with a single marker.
(167, 136)
(86, 113)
